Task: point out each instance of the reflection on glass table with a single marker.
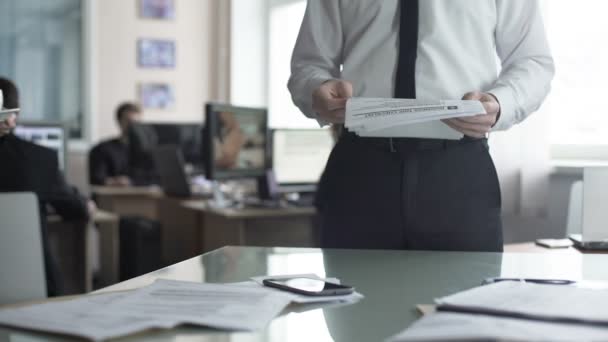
(393, 283)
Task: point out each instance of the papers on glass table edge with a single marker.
(164, 304)
(447, 326)
(517, 311)
(379, 117)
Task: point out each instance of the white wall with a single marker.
(117, 29)
(112, 27)
(249, 58)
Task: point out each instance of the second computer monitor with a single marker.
(50, 135)
(186, 136)
(235, 142)
(299, 157)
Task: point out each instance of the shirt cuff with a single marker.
(506, 101)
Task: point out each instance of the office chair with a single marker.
(142, 141)
(21, 255)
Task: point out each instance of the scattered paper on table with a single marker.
(79, 317)
(211, 305)
(537, 300)
(447, 327)
(517, 311)
(164, 304)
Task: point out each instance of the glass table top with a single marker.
(393, 283)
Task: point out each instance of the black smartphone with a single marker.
(309, 286)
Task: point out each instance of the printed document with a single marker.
(378, 117)
(447, 327)
(78, 318)
(535, 300)
(212, 305)
(517, 311)
(164, 304)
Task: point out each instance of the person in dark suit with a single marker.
(27, 167)
(121, 162)
(109, 160)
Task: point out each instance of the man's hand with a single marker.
(477, 126)
(329, 100)
(7, 125)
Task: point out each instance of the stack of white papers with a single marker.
(536, 301)
(516, 311)
(451, 327)
(164, 304)
(377, 117)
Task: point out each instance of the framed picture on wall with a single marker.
(156, 53)
(157, 96)
(157, 9)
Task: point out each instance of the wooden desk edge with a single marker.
(100, 216)
(201, 206)
(152, 191)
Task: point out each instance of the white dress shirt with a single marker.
(458, 45)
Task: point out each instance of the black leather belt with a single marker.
(400, 145)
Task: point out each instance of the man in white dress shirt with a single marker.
(418, 193)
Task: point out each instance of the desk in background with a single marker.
(193, 227)
(69, 242)
(531, 247)
(129, 201)
(393, 283)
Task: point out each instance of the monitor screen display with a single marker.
(236, 142)
(50, 136)
(187, 136)
(299, 156)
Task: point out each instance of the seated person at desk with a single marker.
(110, 164)
(109, 160)
(27, 167)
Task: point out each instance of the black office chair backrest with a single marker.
(171, 169)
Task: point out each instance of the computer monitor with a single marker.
(145, 138)
(592, 215)
(299, 157)
(50, 135)
(235, 142)
(186, 136)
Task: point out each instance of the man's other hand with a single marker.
(8, 124)
(479, 125)
(329, 100)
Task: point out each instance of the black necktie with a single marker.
(405, 80)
